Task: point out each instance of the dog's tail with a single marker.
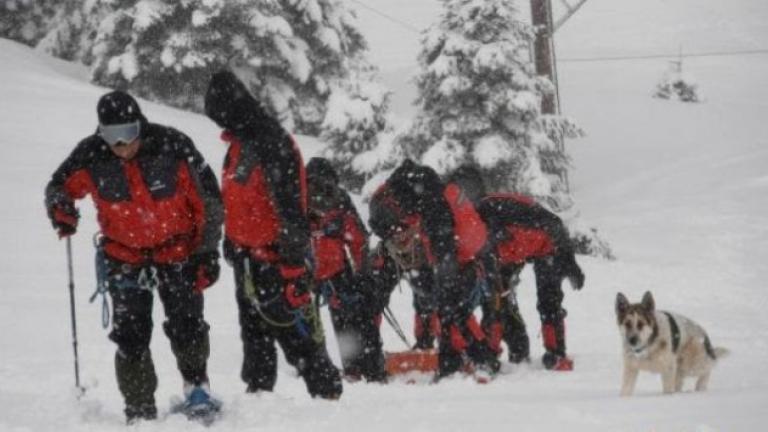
(714, 353)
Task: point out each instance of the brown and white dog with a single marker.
(665, 343)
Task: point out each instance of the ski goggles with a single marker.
(119, 134)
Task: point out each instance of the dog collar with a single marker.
(639, 352)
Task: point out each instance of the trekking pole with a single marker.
(80, 389)
(390, 317)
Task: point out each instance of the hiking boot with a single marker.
(134, 414)
(518, 357)
(556, 362)
(257, 388)
(448, 363)
(484, 373)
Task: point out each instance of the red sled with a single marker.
(423, 361)
(403, 362)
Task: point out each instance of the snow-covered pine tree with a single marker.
(479, 101)
(164, 51)
(73, 28)
(332, 47)
(288, 51)
(26, 21)
(356, 118)
(293, 54)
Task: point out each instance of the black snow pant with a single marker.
(502, 320)
(461, 336)
(425, 307)
(130, 288)
(501, 314)
(353, 313)
(266, 318)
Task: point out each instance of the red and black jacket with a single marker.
(265, 196)
(334, 234)
(450, 230)
(522, 229)
(264, 183)
(161, 206)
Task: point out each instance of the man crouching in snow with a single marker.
(416, 215)
(523, 231)
(160, 214)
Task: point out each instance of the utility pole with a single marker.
(544, 53)
(545, 59)
(543, 49)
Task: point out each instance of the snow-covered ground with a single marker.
(681, 192)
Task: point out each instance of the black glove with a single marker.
(207, 269)
(64, 217)
(568, 268)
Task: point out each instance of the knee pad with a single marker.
(132, 339)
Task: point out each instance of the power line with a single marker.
(416, 30)
(665, 56)
(410, 27)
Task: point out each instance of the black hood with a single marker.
(231, 106)
(470, 180)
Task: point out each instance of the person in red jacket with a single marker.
(523, 231)
(422, 220)
(267, 241)
(340, 246)
(159, 210)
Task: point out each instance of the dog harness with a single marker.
(675, 330)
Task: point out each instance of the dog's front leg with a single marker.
(701, 382)
(668, 379)
(630, 378)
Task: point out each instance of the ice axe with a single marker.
(80, 389)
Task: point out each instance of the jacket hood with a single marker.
(229, 103)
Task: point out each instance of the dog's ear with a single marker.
(622, 304)
(648, 303)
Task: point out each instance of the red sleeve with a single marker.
(78, 185)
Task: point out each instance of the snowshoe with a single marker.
(482, 376)
(199, 405)
(556, 362)
(484, 372)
